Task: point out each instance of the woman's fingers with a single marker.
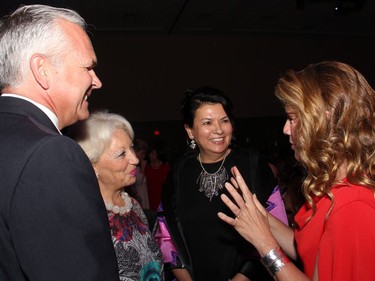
(233, 207)
(235, 194)
(226, 218)
(246, 194)
(259, 205)
(251, 217)
(234, 183)
(239, 192)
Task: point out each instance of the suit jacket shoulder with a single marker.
(53, 224)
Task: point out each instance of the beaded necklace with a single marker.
(120, 210)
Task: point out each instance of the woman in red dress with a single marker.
(156, 172)
(331, 128)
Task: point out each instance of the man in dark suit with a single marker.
(53, 223)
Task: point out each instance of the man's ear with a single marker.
(39, 66)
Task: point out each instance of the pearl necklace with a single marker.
(120, 210)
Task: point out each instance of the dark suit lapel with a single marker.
(23, 107)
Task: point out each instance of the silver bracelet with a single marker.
(275, 260)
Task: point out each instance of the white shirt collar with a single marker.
(52, 116)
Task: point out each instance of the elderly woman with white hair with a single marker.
(107, 139)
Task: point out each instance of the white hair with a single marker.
(98, 130)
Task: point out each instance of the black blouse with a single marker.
(213, 250)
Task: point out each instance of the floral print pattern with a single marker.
(138, 256)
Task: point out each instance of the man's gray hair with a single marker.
(31, 29)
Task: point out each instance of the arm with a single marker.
(262, 183)
(277, 220)
(57, 217)
(253, 224)
(284, 236)
(240, 277)
(182, 274)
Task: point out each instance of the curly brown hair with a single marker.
(335, 108)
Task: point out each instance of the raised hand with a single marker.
(251, 219)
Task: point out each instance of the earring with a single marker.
(193, 144)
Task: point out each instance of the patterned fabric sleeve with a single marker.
(276, 207)
(165, 242)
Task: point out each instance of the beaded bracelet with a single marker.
(274, 260)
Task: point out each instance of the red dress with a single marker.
(344, 244)
(156, 178)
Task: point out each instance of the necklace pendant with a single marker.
(210, 184)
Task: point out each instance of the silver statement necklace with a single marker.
(120, 210)
(211, 183)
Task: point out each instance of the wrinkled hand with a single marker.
(251, 219)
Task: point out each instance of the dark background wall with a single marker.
(151, 51)
(145, 77)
